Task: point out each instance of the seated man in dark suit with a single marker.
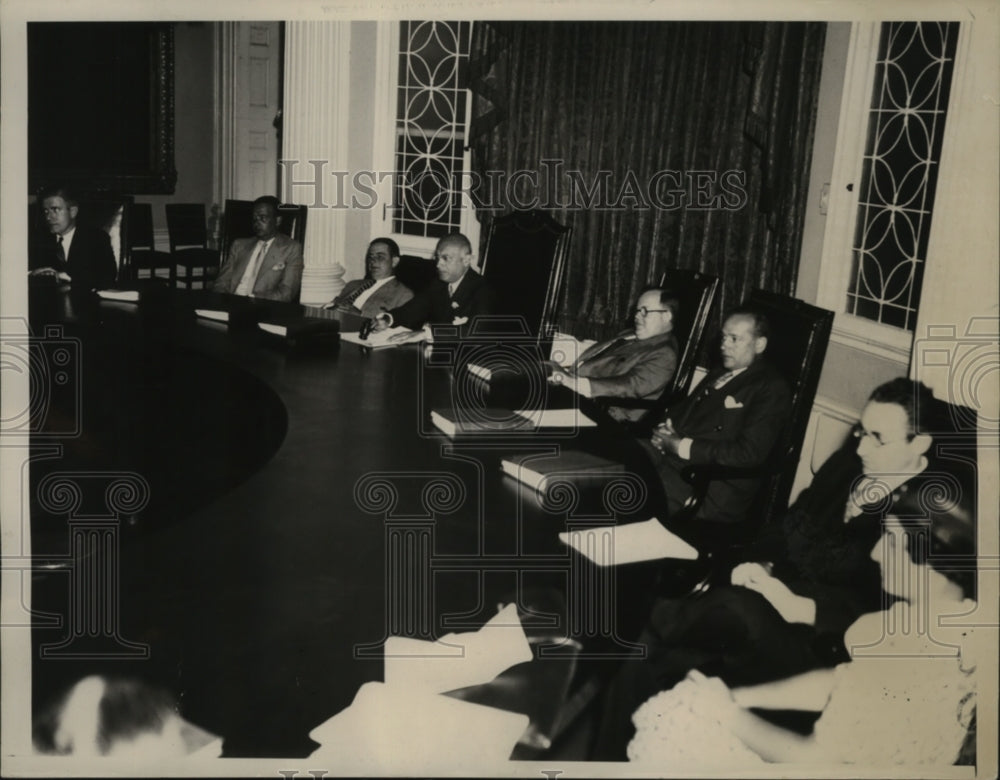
(70, 253)
(732, 418)
(381, 290)
(637, 363)
(267, 266)
(806, 579)
(454, 298)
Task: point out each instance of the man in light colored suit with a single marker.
(380, 290)
(267, 266)
(637, 363)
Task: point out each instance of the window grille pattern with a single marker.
(430, 127)
(905, 130)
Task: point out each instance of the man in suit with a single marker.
(381, 290)
(732, 418)
(809, 576)
(637, 363)
(454, 298)
(70, 253)
(267, 266)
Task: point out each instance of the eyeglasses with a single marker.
(859, 433)
(643, 312)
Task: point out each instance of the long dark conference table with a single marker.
(244, 522)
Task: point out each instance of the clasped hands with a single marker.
(709, 697)
(757, 577)
(60, 276)
(665, 439)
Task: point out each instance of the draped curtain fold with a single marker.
(665, 145)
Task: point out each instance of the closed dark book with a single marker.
(481, 421)
(302, 329)
(574, 466)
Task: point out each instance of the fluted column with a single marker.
(314, 145)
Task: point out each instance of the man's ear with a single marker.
(73, 211)
(395, 262)
(759, 344)
(921, 443)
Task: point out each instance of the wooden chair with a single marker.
(292, 221)
(796, 347)
(143, 255)
(524, 262)
(416, 272)
(186, 224)
(696, 293)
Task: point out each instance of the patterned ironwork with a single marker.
(905, 129)
(430, 127)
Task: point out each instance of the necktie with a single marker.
(451, 290)
(365, 285)
(721, 381)
(60, 250)
(611, 345)
(250, 275)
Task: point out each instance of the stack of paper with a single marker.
(130, 296)
(405, 725)
(614, 545)
(212, 314)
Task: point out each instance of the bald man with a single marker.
(458, 294)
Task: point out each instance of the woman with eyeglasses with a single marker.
(906, 698)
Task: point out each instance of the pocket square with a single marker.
(454, 304)
(732, 403)
(278, 267)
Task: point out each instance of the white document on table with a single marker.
(129, 296)
(212, 314)
(613, 545)
(458, 660)
(557, 418)
(389, 729)
(381, 338)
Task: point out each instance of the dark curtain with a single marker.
(664, 145)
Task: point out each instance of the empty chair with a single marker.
(143, 255)
(189, 248)
(524, 261)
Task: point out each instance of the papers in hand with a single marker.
(614, 545)
(381, 338)
(213, 314)
(566, 348)
(130, 296)
(458, 660)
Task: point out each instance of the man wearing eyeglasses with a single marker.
(637, 363)
(808, 577)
